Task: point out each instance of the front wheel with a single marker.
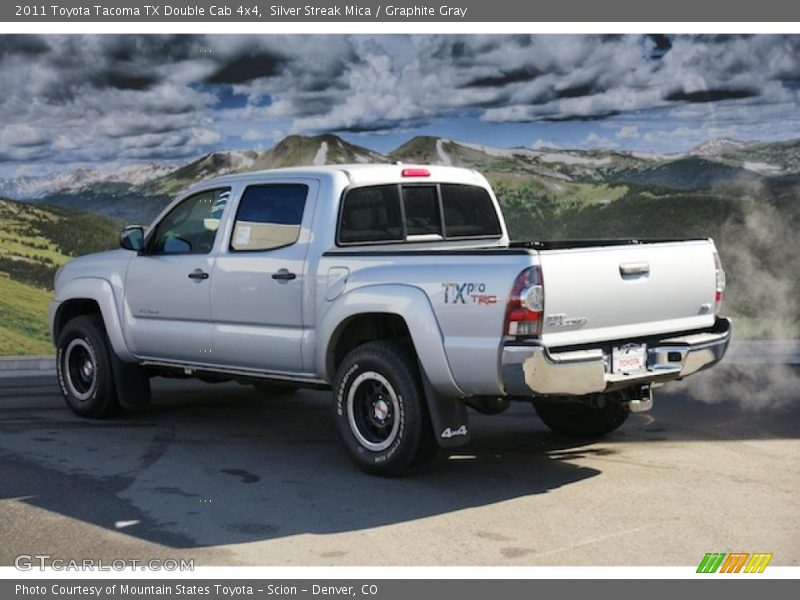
(582, 419)
(83, 364)
(380, 410)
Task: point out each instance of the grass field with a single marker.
(35, 240)
(23, 329)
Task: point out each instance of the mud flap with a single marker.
(132, 383)
(448, 417)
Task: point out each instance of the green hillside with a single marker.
(118, 201)
(36, 239)
(690, 173)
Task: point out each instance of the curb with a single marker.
(772, 352)
(27, 366)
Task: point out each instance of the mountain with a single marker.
(41, 186)
(718, 147)
(211, 165)
(93, 188)
(775, 158)
(689, 173)
(36, 239)
(547, 166)
(328, 149)
(118, 201)
(293, 151)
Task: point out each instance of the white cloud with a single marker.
(628, 132)
(594, 140)
(22, 135)
(543, 144)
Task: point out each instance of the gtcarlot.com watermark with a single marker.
(29, 562)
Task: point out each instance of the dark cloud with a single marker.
(152, 49)
(576, 91)
(661, 44)
(712, 95)
(575, 117)
(504, 78)
(247, 67)
(375, 127)
(124, 81)
(26, 45)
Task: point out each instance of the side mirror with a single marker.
(132, 238)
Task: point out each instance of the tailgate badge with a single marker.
(562, 320)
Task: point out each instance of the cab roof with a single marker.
(359, 174)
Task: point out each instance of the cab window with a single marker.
(411, 213)
(191, 226)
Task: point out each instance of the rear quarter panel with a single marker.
(467, 293)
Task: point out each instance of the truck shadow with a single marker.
(199, 469)
(215, 465)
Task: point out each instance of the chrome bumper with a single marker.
(531, 370)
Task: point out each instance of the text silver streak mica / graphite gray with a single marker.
(397, 286)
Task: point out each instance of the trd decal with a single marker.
(467, 293)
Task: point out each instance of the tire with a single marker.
(381, 411)
(268, 388)
(580, 420)
(83, 364)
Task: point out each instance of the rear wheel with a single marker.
(583, 419)
(381, 411)
(83, 364)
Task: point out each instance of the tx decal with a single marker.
(467, 293)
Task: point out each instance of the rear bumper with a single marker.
(532, 370)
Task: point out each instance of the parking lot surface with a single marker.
(226, 476)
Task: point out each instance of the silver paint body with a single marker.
(242, 322)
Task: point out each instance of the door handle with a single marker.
(198, 274)
(284, 275)
(634, 268)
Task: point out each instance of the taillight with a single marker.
(720, 285)
(525, 308)
(416, 173)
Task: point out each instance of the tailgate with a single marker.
(615, 292)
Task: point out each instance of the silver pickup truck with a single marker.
(397, 287)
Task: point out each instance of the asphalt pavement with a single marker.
(226, 476)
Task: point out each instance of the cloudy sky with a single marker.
(94, 100)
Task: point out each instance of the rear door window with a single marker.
(269, 217)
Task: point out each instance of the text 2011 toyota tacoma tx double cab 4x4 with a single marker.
(397, 287)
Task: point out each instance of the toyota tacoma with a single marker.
(396, 287)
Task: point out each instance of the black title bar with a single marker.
(417, 11)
